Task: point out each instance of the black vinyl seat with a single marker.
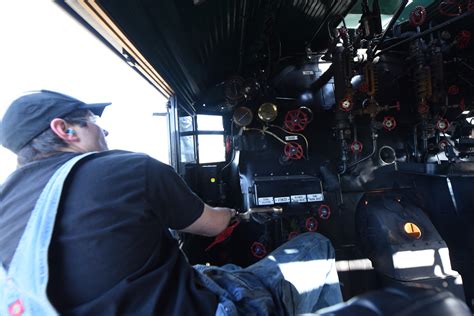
(403, 300)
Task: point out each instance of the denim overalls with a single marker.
(23, 286)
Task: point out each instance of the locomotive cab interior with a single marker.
(350, 118)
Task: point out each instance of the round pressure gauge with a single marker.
(242, 116)
(251, 89)
(267, 112)
(233, 89)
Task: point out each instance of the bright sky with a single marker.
(44, 48)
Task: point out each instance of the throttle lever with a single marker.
(246, 216)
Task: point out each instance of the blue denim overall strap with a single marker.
(23, 286)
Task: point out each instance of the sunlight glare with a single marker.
(45, 48)
(354, 265)
(305, 275)
(290, 251)
(413, 259)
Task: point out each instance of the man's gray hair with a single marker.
(48, 143)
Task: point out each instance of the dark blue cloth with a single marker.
(298, 277)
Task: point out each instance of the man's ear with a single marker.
(63, 130)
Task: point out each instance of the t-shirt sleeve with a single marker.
(170, 197)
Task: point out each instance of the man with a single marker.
(111, 251)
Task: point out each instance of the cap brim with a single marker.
(96, 108)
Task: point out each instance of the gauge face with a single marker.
(251, 89)
(242, 116)
(234, 91)
(267, 112)
(308, 112)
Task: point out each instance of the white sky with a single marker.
(44, 48)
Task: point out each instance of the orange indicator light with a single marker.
(412, 230)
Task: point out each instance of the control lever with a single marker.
(273, 210)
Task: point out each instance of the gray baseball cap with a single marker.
(30, 115)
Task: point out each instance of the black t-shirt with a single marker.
(111, 251)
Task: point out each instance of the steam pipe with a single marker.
(374, 149)
(308, 45)
(426, 32)
(392, 22)
(374, 145)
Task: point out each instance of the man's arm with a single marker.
(178, 207)
(212, 221)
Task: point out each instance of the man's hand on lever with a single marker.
(212, 221)
(269, 210)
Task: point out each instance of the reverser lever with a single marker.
(272, 210)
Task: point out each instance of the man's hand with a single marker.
(212, 221)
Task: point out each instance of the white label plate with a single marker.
(317, 197)
(301, 198)
(265, 200)
(282, 199)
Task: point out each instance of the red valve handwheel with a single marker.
(442, 125)
(296, 120)
(418, 16)
(324, 211)
(293, 150)
(443, 144)
(311, 224)
(258, 250)
(463, 39)
(453, 90)
(389, 123)
(356, 147)
(345, 104)
(342, 31)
